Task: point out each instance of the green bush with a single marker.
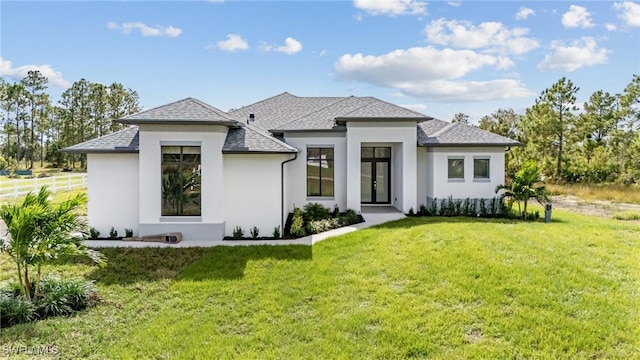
(128, 232)
(254, 232)
(297, 223)
(319, 226)
(113, 233)
(350, 217)
(315, 211)
(14, 309)
(411, 212)
(55, 298)
(238, 233)
(276, 232)
(434, 207)
(422, 211)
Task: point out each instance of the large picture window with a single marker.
(181, 192)
(456, 168)
(320, 171)
(481, 168)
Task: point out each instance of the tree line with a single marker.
(598, 143)
(33, 128)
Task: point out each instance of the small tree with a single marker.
(40, 232)
(527, 183)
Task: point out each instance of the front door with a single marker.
(375, 175)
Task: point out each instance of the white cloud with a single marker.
(524, 13)
(489, 36)
(145, 30)
(391, 7)
(454, 3)
(629, 12)
(290, 47)
(577, 16)
(415, 107)
(582, 52)
(233, 43)
(611, 27)
(17, 73)
(430, 74)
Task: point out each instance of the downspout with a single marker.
(282, 220)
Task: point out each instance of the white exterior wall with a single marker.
(422, 175)
(296, 171)
(403, 136)
(211, 139)
(438, 184)
(252, 192)
(113, 192)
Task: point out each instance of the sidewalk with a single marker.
(371, 219)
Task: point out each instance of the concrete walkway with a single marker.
(376, 217)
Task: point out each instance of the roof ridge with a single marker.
(211, 108)
(263, 100)
(363, 106)
(390, 103)
(341, 99)
(269, 137)
(157, 107)
(443, 130)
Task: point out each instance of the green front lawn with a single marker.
(417, 288)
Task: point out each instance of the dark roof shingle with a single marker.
(123, 141)
(183, 111)
(435, 132)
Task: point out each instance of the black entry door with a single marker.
(375, 175)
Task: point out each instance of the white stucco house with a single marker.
(189, 167)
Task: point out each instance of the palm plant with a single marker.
(526, 184)
(40, 232)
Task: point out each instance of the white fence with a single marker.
(13, 188)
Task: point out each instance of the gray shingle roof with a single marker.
(278, 110)
(123, 141)
(183, 111)
(441, 133)
(377, 108)
(324, 118)
(250, 139)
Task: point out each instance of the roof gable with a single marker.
(252, 140)
(183, 111)
(440, 133)
(379, 109)
(123, 141)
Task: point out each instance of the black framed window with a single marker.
(181, 191)
(320, 172)
(481, 168)
(455, 168)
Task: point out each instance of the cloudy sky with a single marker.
(439, 57)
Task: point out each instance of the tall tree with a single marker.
(35, 83)
(553, 112)
(599, 119)
(461, 118)
(505, 122)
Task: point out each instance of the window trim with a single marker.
(456, 179)
(488, 177)
(333, 183)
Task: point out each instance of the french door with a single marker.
(375, 175)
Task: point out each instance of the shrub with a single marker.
(350, 217)
(472, 208)
(423, 210)
(128, 232)
(411, 212)
(55, 298)
(297, 223)
(457, 207)
(14, 309)
(315, 211)
(483, 207)
(319, 226)
(276, 232)
(238, 233)
(336, 211)
(94, 233)
(494, 207)
(113, 233)
(434, 207)
(255, 232)
(466, 207)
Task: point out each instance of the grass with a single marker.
(627, 215)
(437, 288)
(607, 192)
(57, 198)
